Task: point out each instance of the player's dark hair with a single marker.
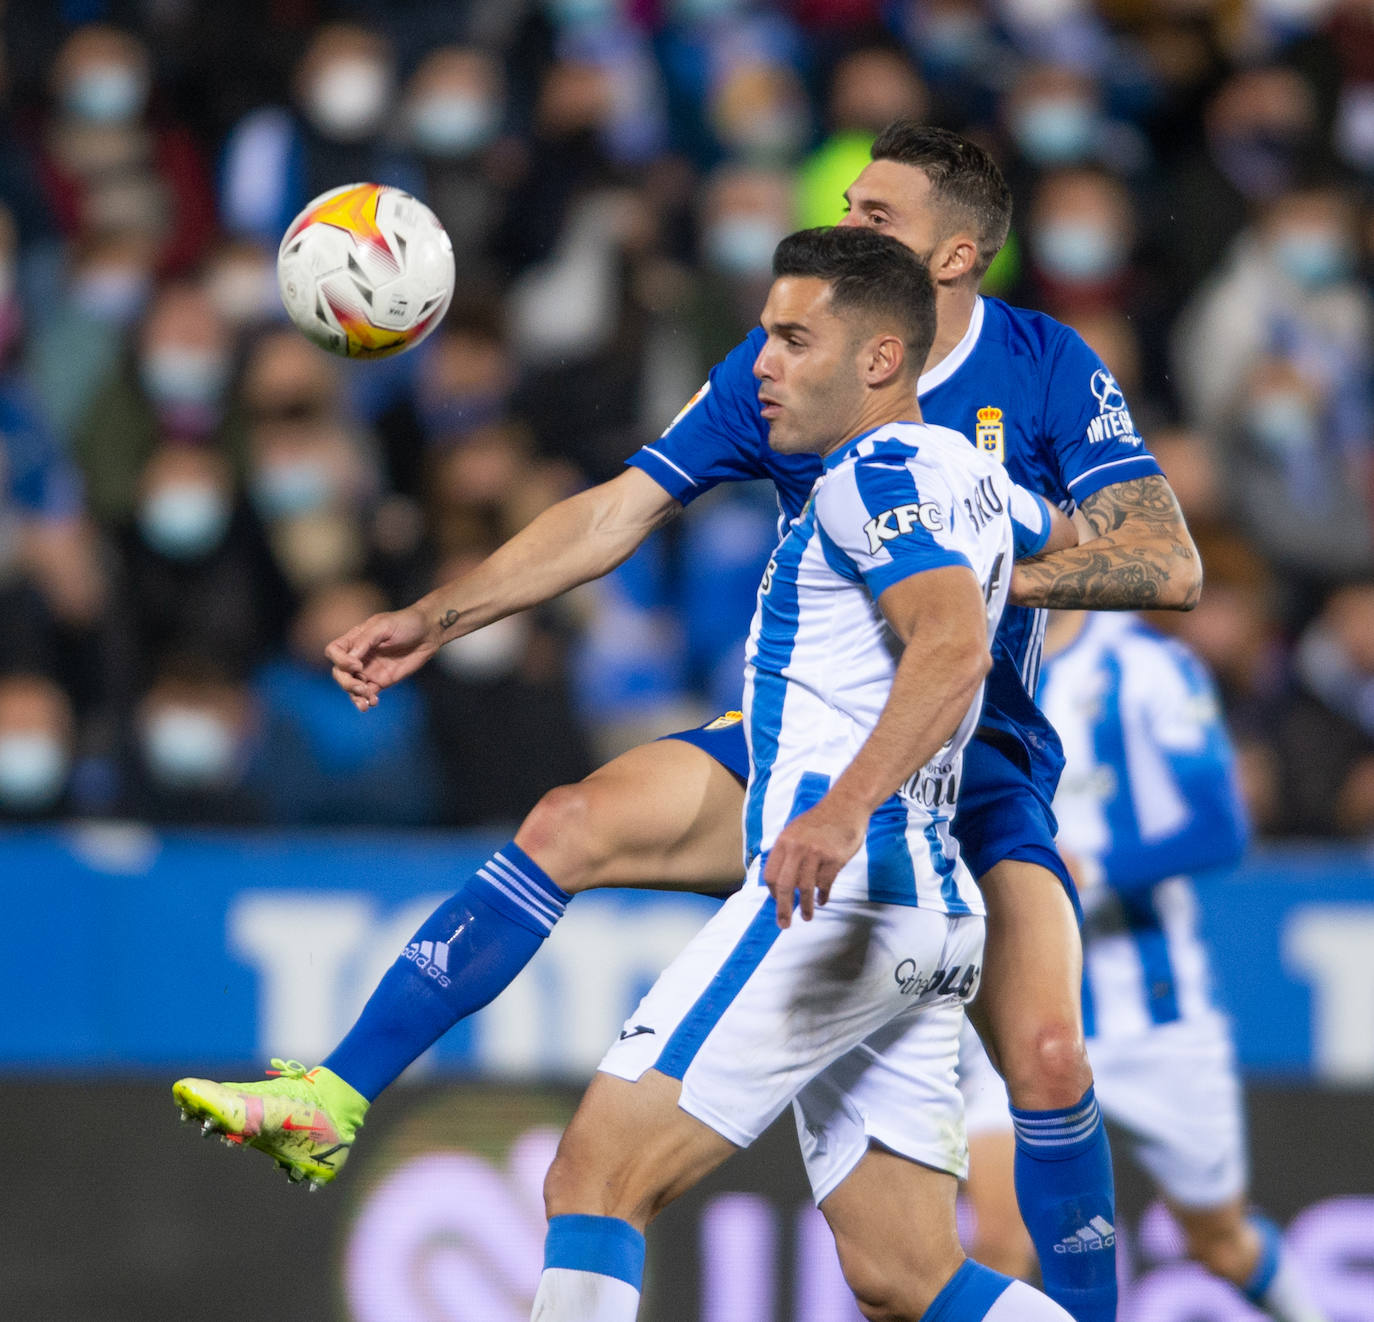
(871, 274)
(964, 179)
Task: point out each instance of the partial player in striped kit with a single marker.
(870, 643)
(1148, 798)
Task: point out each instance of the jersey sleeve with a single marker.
(1085, 422)
(719, 436)
(877, 526)
(1030, 521)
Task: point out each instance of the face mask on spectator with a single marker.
(1078, 250)
(952, 40)
(1314, 257)
(33, 770)
(188, 748)
(1283, 422)
(743, 245)
(1260, 163)
(245, 294)
(179, 375)
(1055, 130)
(488, 653)
(106, 94)
(348, 98)
(184, 520)
(112, 294)
(284, 488)
(580, 13)
(773, 133)
(453, 123)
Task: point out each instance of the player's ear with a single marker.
(886, 358)
(954, 258)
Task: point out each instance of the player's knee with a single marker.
(882, 1291)
(568, 834)
(1047, 1068)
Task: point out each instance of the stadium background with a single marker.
(208, 856)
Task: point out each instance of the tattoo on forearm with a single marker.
(1144, 558)
(448, 619)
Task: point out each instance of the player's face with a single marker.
(895, 199)
(810, 384)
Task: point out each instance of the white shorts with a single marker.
(855, 1015)
(1173, 1092)
(1176, 1095)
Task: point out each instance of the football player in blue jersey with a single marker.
(1148, 799)
(668, 814)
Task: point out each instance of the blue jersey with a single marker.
(1019, 385)
(1149, 796)
(898, 501)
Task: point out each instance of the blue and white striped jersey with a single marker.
(894, 502)
(1149, 796)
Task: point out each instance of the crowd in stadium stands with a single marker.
(193, 500)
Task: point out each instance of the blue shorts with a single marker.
(1000, 813)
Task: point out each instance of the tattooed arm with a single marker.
(1140, 557)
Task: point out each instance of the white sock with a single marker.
(1287, 1298)
(1020, 1303)
(566, 1295)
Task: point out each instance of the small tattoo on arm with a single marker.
(448, 619)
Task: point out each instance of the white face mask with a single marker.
(112, 93)
(184, 520)
(348, 98)
(33, 770)
(488, 653)
(453, 124)
(188, 748)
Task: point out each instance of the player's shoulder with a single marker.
(1035, 337)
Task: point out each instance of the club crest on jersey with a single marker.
(900, 520)
(1113, 421)
(989, 435)
(686, 409)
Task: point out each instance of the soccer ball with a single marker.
(366, 271)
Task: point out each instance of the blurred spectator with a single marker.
(320, 762)
(196, 574)
(190, 748)
(37, 748)
(175, 384)
(1327, 738)
(1274, 359)
(455, 111)
(760, 113)
(502, 688)
(1260, 135)
(869, 88)
(278, 159)
(241, 278)
(111, 163)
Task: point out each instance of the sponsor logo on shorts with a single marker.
(725, 722)
(957, 980)
(637, 1031)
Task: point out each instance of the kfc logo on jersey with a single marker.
(900, 520)
(1113, 421)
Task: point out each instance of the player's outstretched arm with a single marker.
(941, 618)
(1141, 556)
(572, 542)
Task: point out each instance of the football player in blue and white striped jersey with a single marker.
(1148, 800)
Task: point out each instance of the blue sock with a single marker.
(968, 1294)
(604, 1245)
(1064, 1189)
(467, 952)
(1271, 1253)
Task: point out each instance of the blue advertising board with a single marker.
(127, 951)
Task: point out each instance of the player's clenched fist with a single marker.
(380, 651)
(808, 855)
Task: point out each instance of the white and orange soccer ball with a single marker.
(366, 271)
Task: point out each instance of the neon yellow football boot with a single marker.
(304, 1119)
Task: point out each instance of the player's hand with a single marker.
(380, 651)
(808, 855)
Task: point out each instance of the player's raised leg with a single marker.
(665, 814)
(1028, 1013)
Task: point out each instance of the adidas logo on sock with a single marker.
(431, 958)
(1099, 1233)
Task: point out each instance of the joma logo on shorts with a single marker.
(957, 980)
(900, 520)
